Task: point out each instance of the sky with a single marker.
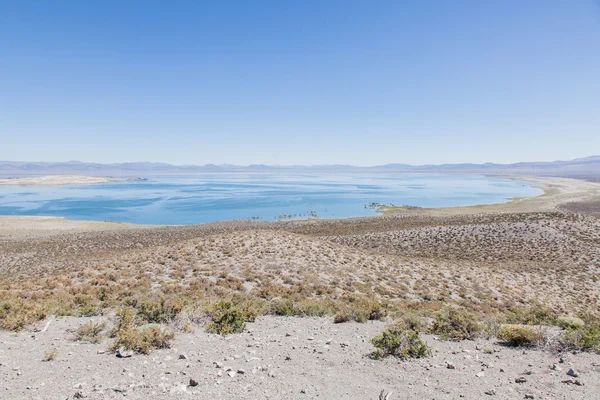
(299, 82)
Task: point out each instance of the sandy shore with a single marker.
(58, 180)
(557, 192)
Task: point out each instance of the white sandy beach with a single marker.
(58, 180)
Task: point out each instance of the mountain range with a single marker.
(588, 168)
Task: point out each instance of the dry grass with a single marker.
(517, 268)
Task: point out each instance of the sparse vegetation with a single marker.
(399, 342)
(50, 355)
(517, 335)
(456, 324)
(91, 332)
(228, 318)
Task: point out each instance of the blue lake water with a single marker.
(194, 199)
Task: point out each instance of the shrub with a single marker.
(399, 342)
(456, 324)
(18, 313)
(159, 310)
(359, 310)
(50, 355)
(91, 332)
(570, 322)
(413, 321)
(585, 338)
(517, 335)
(143, 341)
(228, 318)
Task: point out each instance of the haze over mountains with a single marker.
(588, 167)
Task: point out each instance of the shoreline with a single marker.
(58, 180)
(556, 191)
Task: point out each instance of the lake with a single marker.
(201, 198)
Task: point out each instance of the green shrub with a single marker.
(159, 310)
(570, 322)
(455, 324)
(585, 338)
(228, 318)
(517, 335)
(91, 332)
(399, 342)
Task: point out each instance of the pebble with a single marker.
(572, 373)
(520, 379)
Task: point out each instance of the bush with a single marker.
(18, 313)
(570, 322)
(159, 310)
(228, 318)
(91, 332)
(50, 355)
(399, 342)
(516, 335)
(143, 341)
(583, 338)
(456, 324)
(359, 310)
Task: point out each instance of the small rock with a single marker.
(491, 392)
(193, 383)
(241, 371)
(573, 382)
(182, 356)
(449, 365)
(480, 374)
(520, 379)
(231, 373)
(555, 367)
(572, 373)
(529, 396)
(124, 353)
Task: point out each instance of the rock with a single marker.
(555, 367)
(124, 353)
(231, 373)
(520, 379)
(182, 356)
(193, 383)
(573, 382)
(218, 364)
(491, 392)
(449, 365)
(480, 374)
(529, 396)
(241, 371)
(572, 373)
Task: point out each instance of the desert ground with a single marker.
(105, 310)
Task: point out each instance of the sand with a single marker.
(58, 180)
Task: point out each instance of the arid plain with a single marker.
(104, 310)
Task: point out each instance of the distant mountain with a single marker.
(587, 168)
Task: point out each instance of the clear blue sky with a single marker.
(299, 82)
